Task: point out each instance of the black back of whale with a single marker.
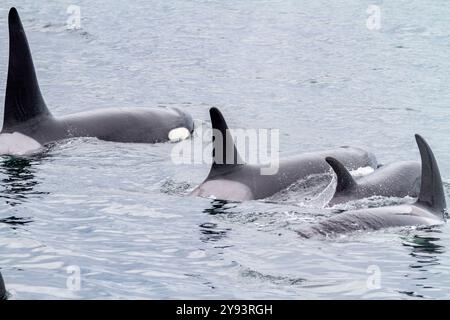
(2, 288)
(429, 209)
(230, 178)
(398, 179)
(27, 113)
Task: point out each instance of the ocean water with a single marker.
(99, 220)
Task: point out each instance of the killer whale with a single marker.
(237, 181)
(428, 210)
(28, 122)
(2, 288)
(398, 179)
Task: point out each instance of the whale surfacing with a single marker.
(398, 179)
(230, 178)
(26, 113)
(428, 210)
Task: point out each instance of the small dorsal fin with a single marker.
(431, 189)
(225, 154)
(2, 288)
(23, 99)
(345, 180)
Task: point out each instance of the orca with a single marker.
(398, 179)
(232, 179)
(2, 288)
(28, 123)
(428, 210)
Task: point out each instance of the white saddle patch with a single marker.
(17, 144)
(179, 134)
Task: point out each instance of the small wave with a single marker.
(372, 202)
(172, 187)
(302, 191)
(279, 280)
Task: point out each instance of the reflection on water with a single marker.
(420, 244)
(19, 181)
(211, 233)
(209, 230)
(13, 221)
(426, 252)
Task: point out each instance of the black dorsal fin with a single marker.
(345, 180)
(2, 288)
(23, 100)
(225, 154)
(431, 189)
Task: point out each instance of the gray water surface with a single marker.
(120, 212)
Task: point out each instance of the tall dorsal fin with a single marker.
(345, 180)
(225, 154)
(431, 189)
(23, 100)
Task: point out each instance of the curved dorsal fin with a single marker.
(225, 154)
(431, 189)
(345, 180)
(23, 99)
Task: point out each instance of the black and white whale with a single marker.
(428, 210)
(2, 288)
(28, 124)
(398, 179)
(238, 181)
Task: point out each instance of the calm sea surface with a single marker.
(120, 214)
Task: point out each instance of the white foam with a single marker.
(362, 171)
(17, 144)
